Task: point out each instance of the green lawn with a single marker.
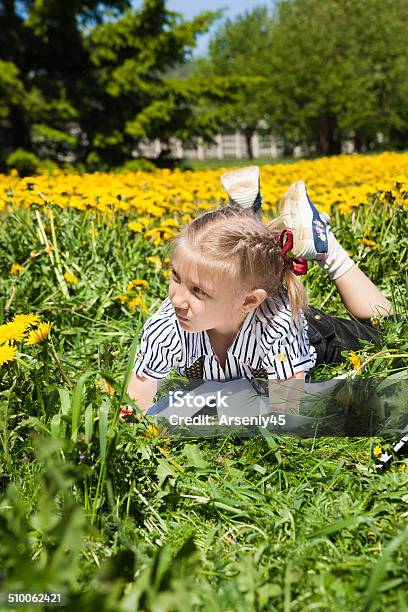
(121, 519)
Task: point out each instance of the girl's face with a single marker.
(200, 302)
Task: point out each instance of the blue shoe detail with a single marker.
(319, 230)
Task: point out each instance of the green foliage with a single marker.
(122, 519)
(25, 162)
(316, 73)
(332, 69)
(231, 56)
(85, 81)
(134, 165)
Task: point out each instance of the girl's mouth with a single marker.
(181, 318)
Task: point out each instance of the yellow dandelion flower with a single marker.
(369, 243)
(377, 451)
(38, 335)
(169, 223)
(375, 321)
(401, 467)
(122, 298)
(7, 353)
(136, 302)
(105, 386)
(151, 432)
(12, 332)
(135, 226)
(156, 261)
(137, 282)
(354, 360)
(16, 268)
(167, 272)
(71, 278)
(27, 319)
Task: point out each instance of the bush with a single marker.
(47, 165)
(25, 162)
(137, 165)
(95, 164)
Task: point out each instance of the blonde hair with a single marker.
(237, 247)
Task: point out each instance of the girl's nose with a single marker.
(179, 299)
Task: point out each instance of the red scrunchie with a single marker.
(296, 264)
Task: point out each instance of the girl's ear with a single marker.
(256, 297)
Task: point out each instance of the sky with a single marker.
(191, 8)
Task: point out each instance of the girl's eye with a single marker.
(176, 278)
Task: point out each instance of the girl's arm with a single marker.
(285, 395)
(142, 390)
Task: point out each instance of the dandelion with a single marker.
(105, 386)
(138, 282)
(38, 335)
(151, 432)
(169, 223)
(354, 360)
(71, 278)
(375, 321)
(135, 226)
(122, 298)
(27, 319)
(7, 353)
(16, 268)
(401, 467)
(12, 332)
(377, 451)
(369, 243)
(156, 261)
(136, 302)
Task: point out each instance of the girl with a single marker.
(236, 307)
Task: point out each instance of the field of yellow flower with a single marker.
(88, 502)
(345, 182)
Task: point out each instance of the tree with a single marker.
(239, 52)
(86, 80)
(339, 68)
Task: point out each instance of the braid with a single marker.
(243, 250)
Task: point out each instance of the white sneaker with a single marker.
(309, 227)
(243, 188)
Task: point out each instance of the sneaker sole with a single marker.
(295, 206)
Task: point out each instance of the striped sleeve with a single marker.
(291, 352)
(159, 348)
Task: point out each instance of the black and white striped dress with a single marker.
(269, 345)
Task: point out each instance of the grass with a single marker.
(119, 518)
(214, 164)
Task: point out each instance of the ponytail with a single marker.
(296, 293)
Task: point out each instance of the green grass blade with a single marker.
(103, 428)
(77, 401)
(89, 424)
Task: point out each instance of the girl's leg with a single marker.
(360, 296)
(314, 240)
